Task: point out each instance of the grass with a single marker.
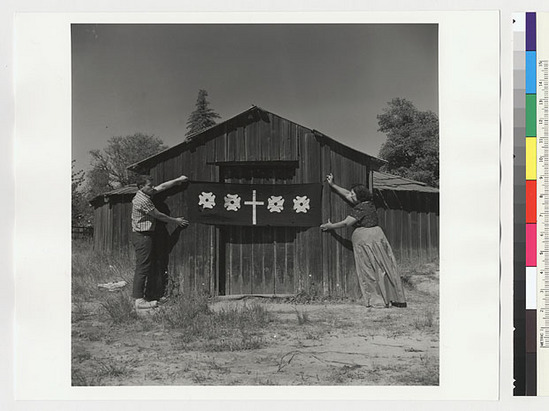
(314, 297)
(425, 321)
(412, 270)
(80, 354)
(302, 317)
(416, 266)
(112, 345)
(191, 317)
(214, 366)
(112, 369)
(233, 328)
(81, 379)
(244, 343)
(119, 307)
(407, 282)
(250, 315)
(79, 311)
(186, 312)
(93, 334)
(99, 371)
(345, 374)
(425, 374)
(200, 378)
(90, 268)
(261, 381)
(334, 322)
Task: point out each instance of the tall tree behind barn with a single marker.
(411, 149)
(255, 146)
(109, 166)
(202, 117)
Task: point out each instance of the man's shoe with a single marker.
(142, 304)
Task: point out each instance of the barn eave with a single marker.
(105, 197)
(386, 181)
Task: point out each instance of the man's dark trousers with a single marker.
(144, 261)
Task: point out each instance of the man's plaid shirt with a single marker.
(142, 205)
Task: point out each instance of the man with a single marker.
(144, 216)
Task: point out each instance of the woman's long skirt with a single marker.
(376, 267)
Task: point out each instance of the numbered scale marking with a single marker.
(542, 108)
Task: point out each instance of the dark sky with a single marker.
(334, 78)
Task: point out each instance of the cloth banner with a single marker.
(297, 205)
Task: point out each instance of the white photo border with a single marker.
(469, 114)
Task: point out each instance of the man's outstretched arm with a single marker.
(180, 221)
(171, 183)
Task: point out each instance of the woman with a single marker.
(375, 263)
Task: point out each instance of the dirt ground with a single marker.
(323, 343)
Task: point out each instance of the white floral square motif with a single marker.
(276, 204)
(301, 204)
(232, 202)
(207, 200)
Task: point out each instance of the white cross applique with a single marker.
(254, 203)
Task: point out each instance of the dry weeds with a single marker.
(198, 341)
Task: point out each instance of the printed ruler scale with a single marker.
(542, 132)
(542, 280)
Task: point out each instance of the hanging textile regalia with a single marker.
(297, 205)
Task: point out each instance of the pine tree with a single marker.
(202, 117)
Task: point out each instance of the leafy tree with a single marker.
(202, 117)
(80, 211)
(109, 166)
(411, 148)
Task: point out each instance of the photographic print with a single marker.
(255, 204)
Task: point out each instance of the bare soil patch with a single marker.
(296, 343)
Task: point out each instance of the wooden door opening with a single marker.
(256, 260)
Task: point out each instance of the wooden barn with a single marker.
(259, 147)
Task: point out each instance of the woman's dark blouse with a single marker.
(365, 214)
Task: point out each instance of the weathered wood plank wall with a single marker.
(240, 260)
(410, 221)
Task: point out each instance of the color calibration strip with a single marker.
(531, 191)
(519, 182)
(531, 196)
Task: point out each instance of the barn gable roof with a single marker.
(197, 138)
